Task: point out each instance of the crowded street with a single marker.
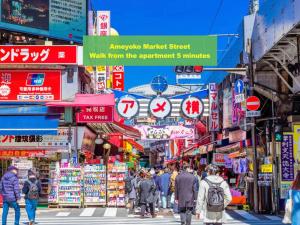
(178, 112)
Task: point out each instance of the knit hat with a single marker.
(11, 168)
(31, 172)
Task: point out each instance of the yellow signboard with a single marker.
(267, 168)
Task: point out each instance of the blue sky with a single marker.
(171, 17)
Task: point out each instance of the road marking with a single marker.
(273, 217)
(228, 216)
(246, 215)
(63, 214)
(88, 212)
(110, 212)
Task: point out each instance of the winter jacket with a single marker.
(212, 217)
(186, 190)
(157, 180)
(9, 187)
(165, 184)
(26, 186)
(147, 189)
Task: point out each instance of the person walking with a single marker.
(174, 174)
(130, 189)
(214, 195)
(186, 194)
(165, 187)
(147, 190)
(32, 190)
(294, 196)
(157, 180)
(10, 190)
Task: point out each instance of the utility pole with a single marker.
(251, 71)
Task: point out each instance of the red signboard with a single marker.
(38, 54)
(22, 153)
(118, 81)
(253, 103)
(96, 114)
(30, 85)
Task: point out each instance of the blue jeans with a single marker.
(16, 207)
(164, 201)
(31, 205)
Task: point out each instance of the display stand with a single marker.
(69, 193)
(54, 184)
(116, 174)
(44, 177)
(94, 185)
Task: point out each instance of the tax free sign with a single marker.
(150, 50)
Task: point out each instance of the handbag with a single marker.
(288, 212)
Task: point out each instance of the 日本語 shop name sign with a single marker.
(166, 132)
(150, 50)
(38, 54)
(31, 85)
(214, 123)
(39, 141)
(287, 158)
(96, 114)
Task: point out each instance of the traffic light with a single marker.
(189, 69)
(179, 69)
(198, 69)
(278, 133)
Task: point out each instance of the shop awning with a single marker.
(126, 130)
(29, 125)
(135, 145)
(232, 147)
(82, 100)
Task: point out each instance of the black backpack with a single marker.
(128, 185)
(215, 197)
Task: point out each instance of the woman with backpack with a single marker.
(213, 197)
(32, 190)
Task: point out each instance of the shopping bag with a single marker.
(288, 212)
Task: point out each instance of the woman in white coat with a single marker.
(212, 217)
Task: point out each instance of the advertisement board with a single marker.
(227, 108)
(214, 123)
(59, 141)
(287, 158)
(64, 20)
(30, 85)
(38, 54)
(165, 132)
(118, 78)
(96, 114)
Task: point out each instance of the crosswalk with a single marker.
(114, 216)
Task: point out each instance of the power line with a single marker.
(216, 16)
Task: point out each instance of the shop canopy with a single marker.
(28, 120)
(82, 100)
(135, 145)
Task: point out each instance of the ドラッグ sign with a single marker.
(253, 103)
(29, 86)
(38, 54)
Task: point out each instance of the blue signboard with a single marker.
(60, 19)
(239, 86)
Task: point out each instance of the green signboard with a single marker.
(150, 50)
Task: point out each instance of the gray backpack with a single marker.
(33, 192)
(215, 197)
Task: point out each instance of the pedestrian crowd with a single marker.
(182, 191)
(11, 194)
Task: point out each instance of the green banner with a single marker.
(150, 50)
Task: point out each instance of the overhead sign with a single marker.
(30, 86)
(253, 113)
(150, 50)
(165, 132)
(103, 23)
(96, 114)
(253, 103)
(38, 54)
(22, 153)
(239, 86)
(214, 123)
(160, 107)
(118, 78)
(64, 20)
(192, 107)
(128, 107)
(60, 140)
(267, 168)
(100, 78)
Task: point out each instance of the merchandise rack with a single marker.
(94, 185)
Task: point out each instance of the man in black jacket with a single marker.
(32, 190)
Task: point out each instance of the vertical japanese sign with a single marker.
(103, 29)
(287, 158)
(118, 78)
(213, 108)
